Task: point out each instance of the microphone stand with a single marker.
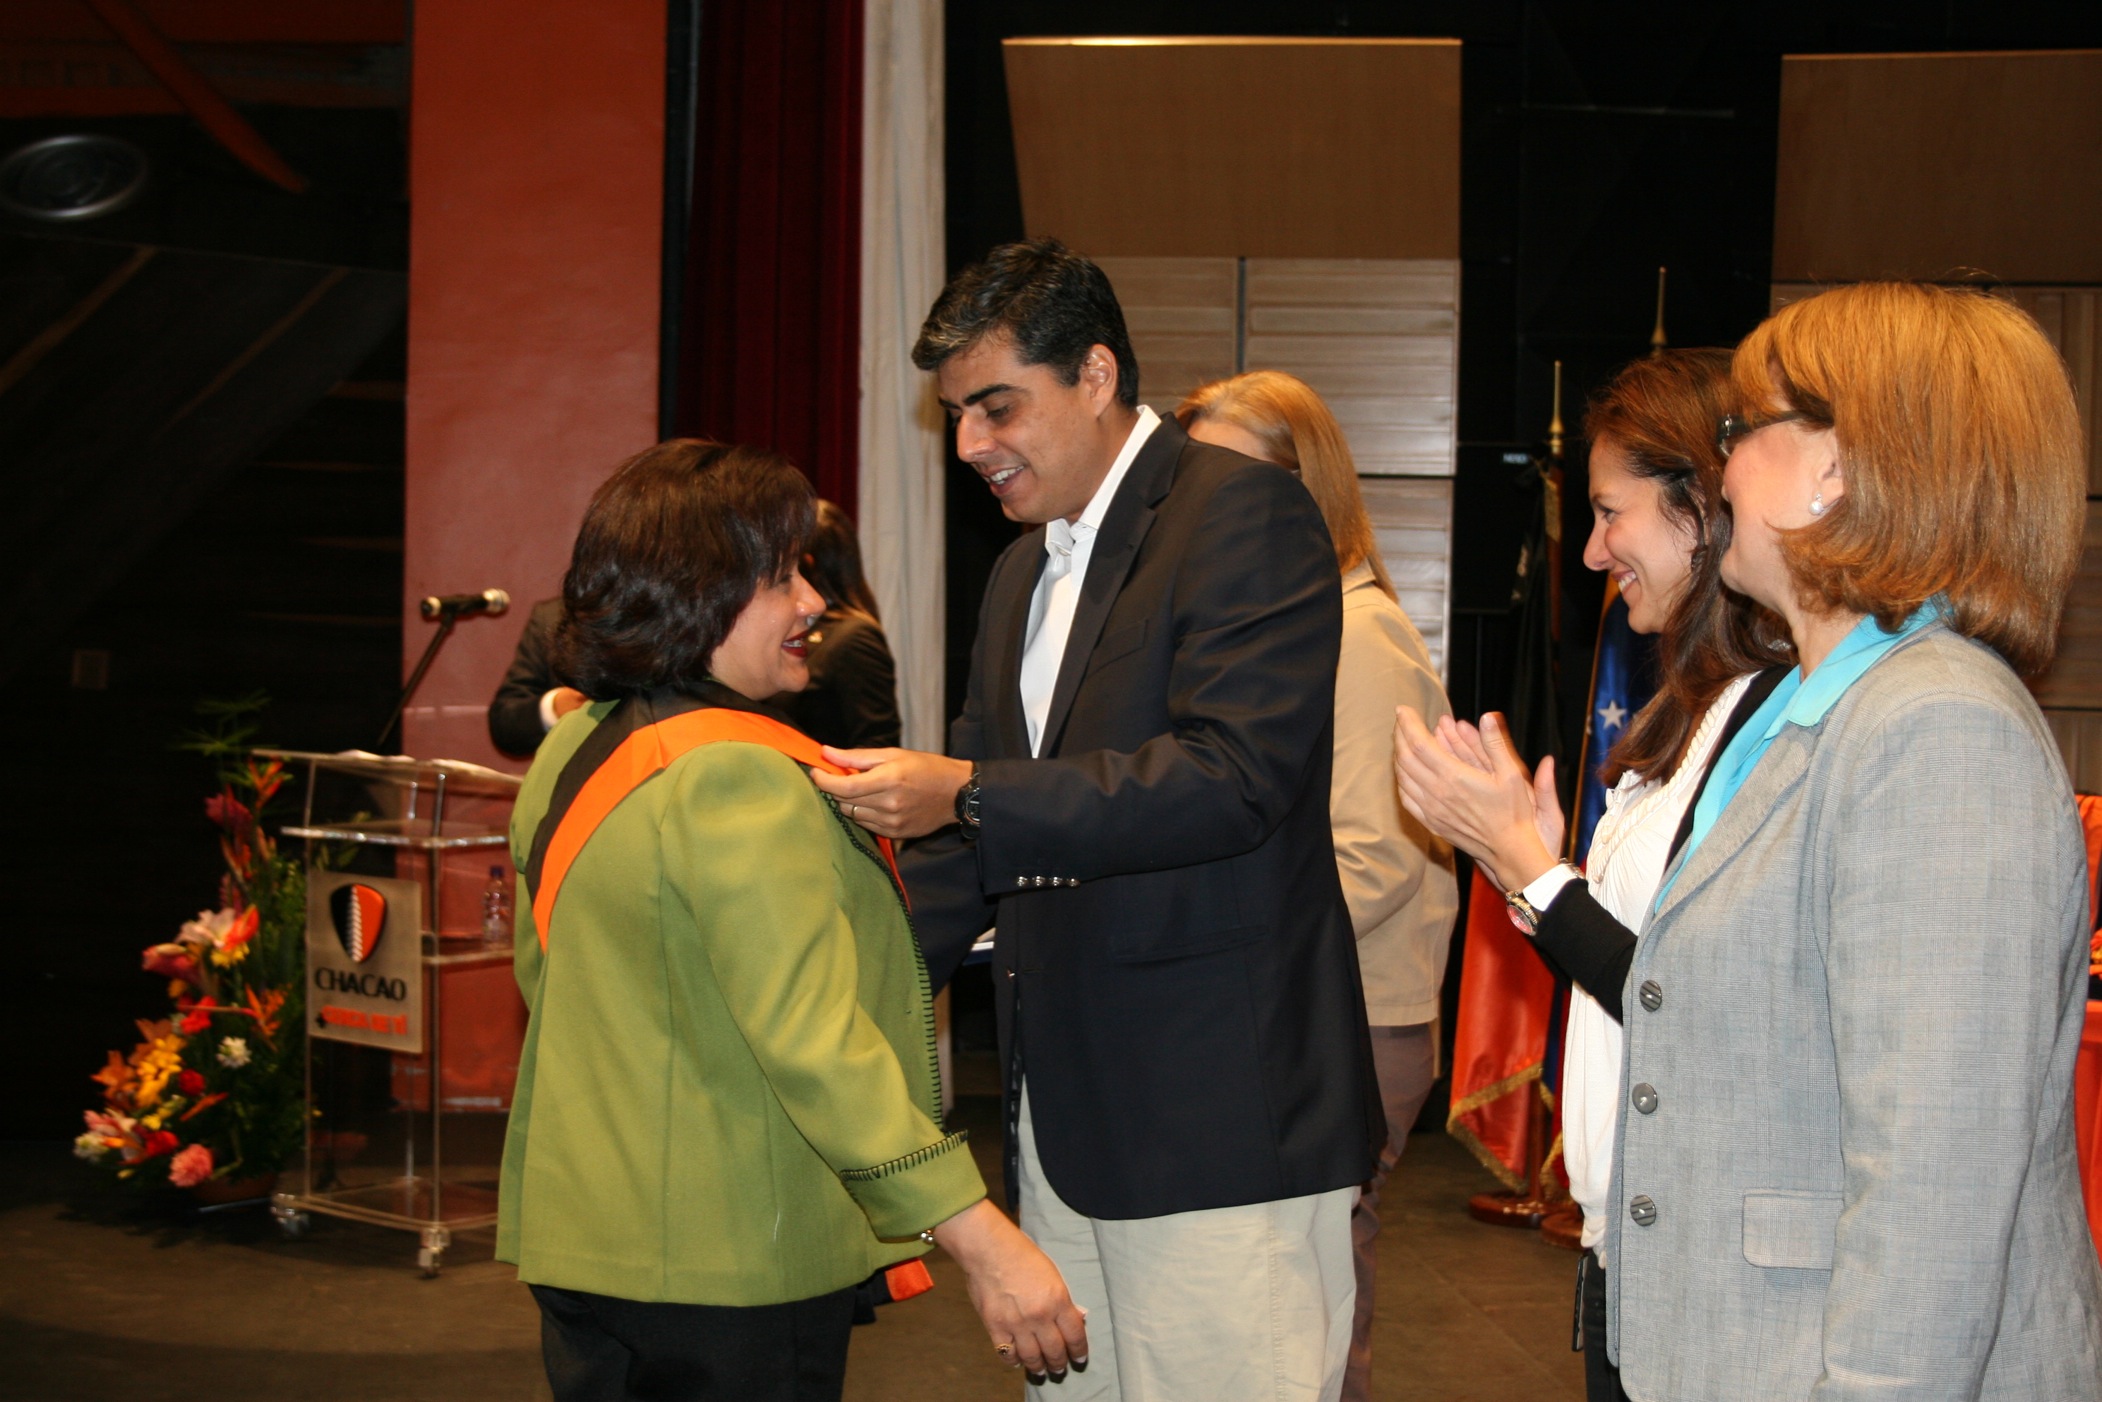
(448, 618)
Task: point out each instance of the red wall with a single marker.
(536, 207)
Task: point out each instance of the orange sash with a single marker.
(643, 754)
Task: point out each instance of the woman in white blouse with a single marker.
(1660, 531)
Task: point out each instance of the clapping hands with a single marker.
(1469, 787)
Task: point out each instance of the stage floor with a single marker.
(97, 1301)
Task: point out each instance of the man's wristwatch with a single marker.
(1524, 914)
(967, 804)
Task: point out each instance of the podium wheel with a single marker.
(292, 1224)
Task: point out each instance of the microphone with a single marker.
(489, 601)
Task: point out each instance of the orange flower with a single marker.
(233, 945)
(113, 1078)
(265, 1010)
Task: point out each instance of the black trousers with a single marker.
(1601, 1378)
(601, 1349)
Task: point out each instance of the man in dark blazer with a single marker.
(1137, 796)
(531, 699)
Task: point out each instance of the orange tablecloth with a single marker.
(2087, 1117)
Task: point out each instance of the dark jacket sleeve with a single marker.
(1586, 945)
(514, 713)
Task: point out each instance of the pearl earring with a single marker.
(1817, 504)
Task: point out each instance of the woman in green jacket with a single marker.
(728, 1111)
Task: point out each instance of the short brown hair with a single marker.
(673, 546)
(1298, 431)
(1961, 450)
(1661, 412)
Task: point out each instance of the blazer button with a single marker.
(1652, 995)
(1645, 1097)
(1020, 882)
(1040, 881)
(1643, 1211)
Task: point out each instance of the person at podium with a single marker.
(728, 1108)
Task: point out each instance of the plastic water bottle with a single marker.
(496, 906)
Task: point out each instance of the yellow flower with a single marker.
(227, 958)
(156, 1062)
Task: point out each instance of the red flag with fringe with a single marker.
(1507, 997)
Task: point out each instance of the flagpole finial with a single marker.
(1554, 422)
(1657, 340)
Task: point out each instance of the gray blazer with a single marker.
(1850, 1038)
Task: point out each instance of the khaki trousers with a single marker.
(1230, 1304)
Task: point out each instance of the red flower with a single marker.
(158, 1142)
(226, 810)
(190, 1083)
(200, 1017)
(190, 1167)
(170, 961)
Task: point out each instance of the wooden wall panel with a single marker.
(1152, 147)
(2079, 735)
(1919, 165)
(1412, 519)
(1379, 341)
(2075, 678)
(1182, 315)
(2072, 318)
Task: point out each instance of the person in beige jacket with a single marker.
(1397, 877)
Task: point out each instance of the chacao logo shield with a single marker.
(360, 913)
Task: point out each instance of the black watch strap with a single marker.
(967, 804)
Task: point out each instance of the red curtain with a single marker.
(770, 329)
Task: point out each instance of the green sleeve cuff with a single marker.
(905, 1196)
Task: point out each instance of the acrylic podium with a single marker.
(399, 852)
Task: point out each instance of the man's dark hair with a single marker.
(1054, 303)
(672, 548)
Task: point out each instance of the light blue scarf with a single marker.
(1795, 701)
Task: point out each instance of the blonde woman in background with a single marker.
(1397, 877)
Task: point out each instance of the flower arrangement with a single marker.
(216, 1090)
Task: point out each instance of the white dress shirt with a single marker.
(1069, 548)
(1629, 851)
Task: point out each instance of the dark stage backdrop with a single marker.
(769, 321)
(1598, 142)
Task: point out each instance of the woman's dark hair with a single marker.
(1053, 302)
(673, 546)
(1660, 413)
(832, 563)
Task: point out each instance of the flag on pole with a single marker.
(1623, 677)
(1507, 999)
(1507, 995)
